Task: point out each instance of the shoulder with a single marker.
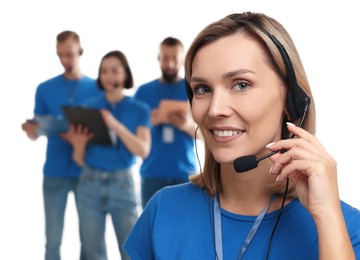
(148, 86)
(88, 82)
(348, 208)
(51, 81)
(97, 101)
(165, 222)
(86, 78)
(137, 104)
(185, 195)
(182, 81)
(351, 215)
(48, 86)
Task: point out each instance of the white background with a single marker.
(326, 35)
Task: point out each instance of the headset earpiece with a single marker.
(296, 100)
(81, 51)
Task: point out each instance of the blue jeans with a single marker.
(99, 193)
(55, 193)
(149, 186)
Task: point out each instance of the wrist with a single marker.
(329, 220)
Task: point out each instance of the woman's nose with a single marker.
(220, 104)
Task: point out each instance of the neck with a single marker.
(74, 74)
(115, 95)
(247, 193)
(177, 79)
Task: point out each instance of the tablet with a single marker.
(92, 119)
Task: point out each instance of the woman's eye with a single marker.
(201, 89)
(241, 85)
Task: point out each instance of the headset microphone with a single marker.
(248, 162)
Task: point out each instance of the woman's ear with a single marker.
(287, 116)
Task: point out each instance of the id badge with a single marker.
(168, 134)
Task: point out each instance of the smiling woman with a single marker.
(106, 184)
(250, 89)
(28, 55)
(246, 93)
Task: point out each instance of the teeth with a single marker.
(225, 133)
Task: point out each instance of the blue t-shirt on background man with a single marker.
(50, 96)
(177, 155)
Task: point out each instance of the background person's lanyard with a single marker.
(218, 229)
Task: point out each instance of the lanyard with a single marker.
(218, 230)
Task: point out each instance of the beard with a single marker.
(69, 69)
(169, 76)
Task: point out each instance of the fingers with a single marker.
(78, 135)
(177, 118)
(155, 112)
(79, 130)
(299, 148)
(303, 154)
(287, 170)
(311, 169)
(302, 139)
(29, 126)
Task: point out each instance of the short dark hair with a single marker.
(65, 35)
(171, 41)
(129, 82)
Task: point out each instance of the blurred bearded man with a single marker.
(172, 159)
(60, 172)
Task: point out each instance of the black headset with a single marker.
(297, 100)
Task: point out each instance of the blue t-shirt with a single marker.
(177, 223)
(50, 96)
(130, 112)
(177, 155)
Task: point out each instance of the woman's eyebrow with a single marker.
(236, 72)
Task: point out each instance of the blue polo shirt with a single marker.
(50, 96)
(175, 159)
(130, 112)
(178, 223)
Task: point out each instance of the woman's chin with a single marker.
(224, 160)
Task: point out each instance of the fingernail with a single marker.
(289, 123)
(270, 170)
(277, 178)
(270, 144)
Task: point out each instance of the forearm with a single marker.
(79, 155)
(334, 241)
(135, 144)
(189, 127)
(32, 137)
(190, 130)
